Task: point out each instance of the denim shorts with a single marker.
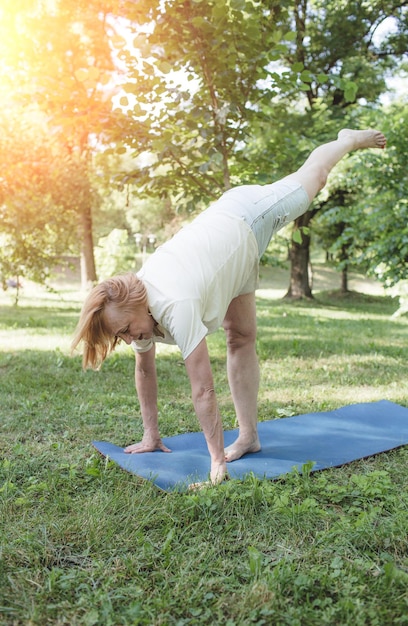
(265, 208)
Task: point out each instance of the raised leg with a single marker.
(314, 172)
(243, 373)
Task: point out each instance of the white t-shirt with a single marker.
(192, 278)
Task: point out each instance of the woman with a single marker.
(204, 278)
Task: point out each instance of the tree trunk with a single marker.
(344, 273)
(299, 255)
(88, 270)
(344, 280)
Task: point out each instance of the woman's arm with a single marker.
(146, 387)
(206, 407)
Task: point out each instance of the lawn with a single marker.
(84, 543)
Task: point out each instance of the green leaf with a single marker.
(322, 78)
(297, 67)
(350, 91)
(306, 76)
(290, 36)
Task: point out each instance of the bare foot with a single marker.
(240, 447)
(218, 474)
(205, 484)
(146, 445)
(358, 139)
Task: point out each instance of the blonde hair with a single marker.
(126, 292)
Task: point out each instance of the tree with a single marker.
(366, 210)
(244, 65)
(213, 90)
(342, 64)
(195, 85)
(334, 231)
(58, 55)
(384, 249)
(38, 181)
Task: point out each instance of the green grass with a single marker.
(84, 543)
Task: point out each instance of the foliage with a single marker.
(387, 222)
(84, 543)
(345, 64)
(58, 56)
(213, 86)
(38, 182)
(223, 93)
(115, 254)
(343, 58)
(207, 94)
(365, 206)
(196, 81)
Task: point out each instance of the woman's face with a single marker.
(130, 327)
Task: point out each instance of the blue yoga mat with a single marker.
(327, 439)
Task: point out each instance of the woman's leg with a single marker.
(267, 208)
(313, 173)
(243, 373)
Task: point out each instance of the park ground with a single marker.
(83, 543)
